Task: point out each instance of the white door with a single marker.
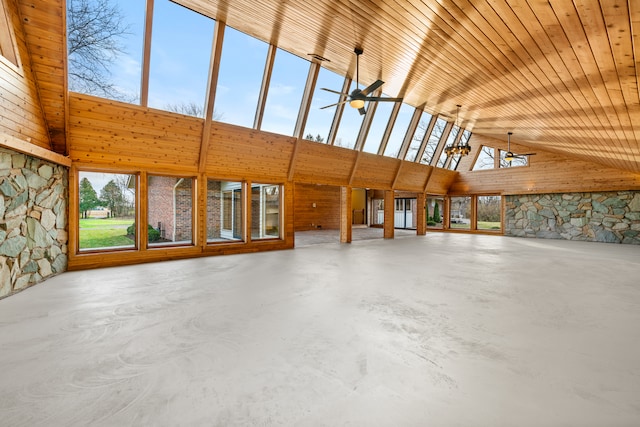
(403, 214)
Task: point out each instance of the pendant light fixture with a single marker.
(457, 148)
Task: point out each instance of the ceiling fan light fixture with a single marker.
(357, 103)
(509, 156)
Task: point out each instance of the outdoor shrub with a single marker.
(154, 235)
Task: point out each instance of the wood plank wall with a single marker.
(22, 116)
(316, 207)
(115, 135)
(44, 30)
(547, 173)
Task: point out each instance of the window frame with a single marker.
(136, 201)
(194, 212)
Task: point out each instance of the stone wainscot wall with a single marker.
(33, 220)
(612, 217)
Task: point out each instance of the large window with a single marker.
(265, 211)
(224, 211)
(460, 212)
(107, 211)
(378, 126)
(105, 55)
(400, 128)
(170, 207)
(320, 119)
(432, 142)
(489, 212)
(485, 160)
(450, 140)
(180, 59)
(240, 78)
(418, 136)
(349, 124)
(288, 81)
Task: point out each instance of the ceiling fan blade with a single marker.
(379, 98)
(334, 91)
(333, 105)
(362, 111)
(373, 86)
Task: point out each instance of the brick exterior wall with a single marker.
(161, 204)
(214, 210)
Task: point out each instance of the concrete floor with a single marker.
(438, 330)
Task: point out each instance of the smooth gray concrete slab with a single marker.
(437, 330)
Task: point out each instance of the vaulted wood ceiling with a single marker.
(561, 75)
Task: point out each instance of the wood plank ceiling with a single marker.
(561, 75)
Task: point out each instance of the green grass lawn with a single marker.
(104, 232)
(482, 225)
(486, 225)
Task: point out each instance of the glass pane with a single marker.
(109, 65)
(432, 143)
(435, 211)
(450, 139)
(107, 211)
(453, 164)
(224, 211)
(349, 124)
(485, 159)
(265, 211)
(180, 56)
(170, 216)
(514, 162)
(399, 131)
(240, 78)
(320, 120)
(378, 126)
(489, 213)
(418, 136)
(460, 212)
(285, 93)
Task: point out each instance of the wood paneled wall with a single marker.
(546, 173)
(111, 134)
(316, 206)
(105, 133)
(22, 116)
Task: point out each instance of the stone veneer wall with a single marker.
(33, 220)
(612, 217)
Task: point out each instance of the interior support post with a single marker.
(389, 206)
(421, 214)
(346, 214)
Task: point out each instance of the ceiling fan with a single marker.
(510, 156)
(358, 97)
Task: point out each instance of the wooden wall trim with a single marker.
(264, 89)
(212, 84)
(305, 104)
(26, 147)
(146, 53)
